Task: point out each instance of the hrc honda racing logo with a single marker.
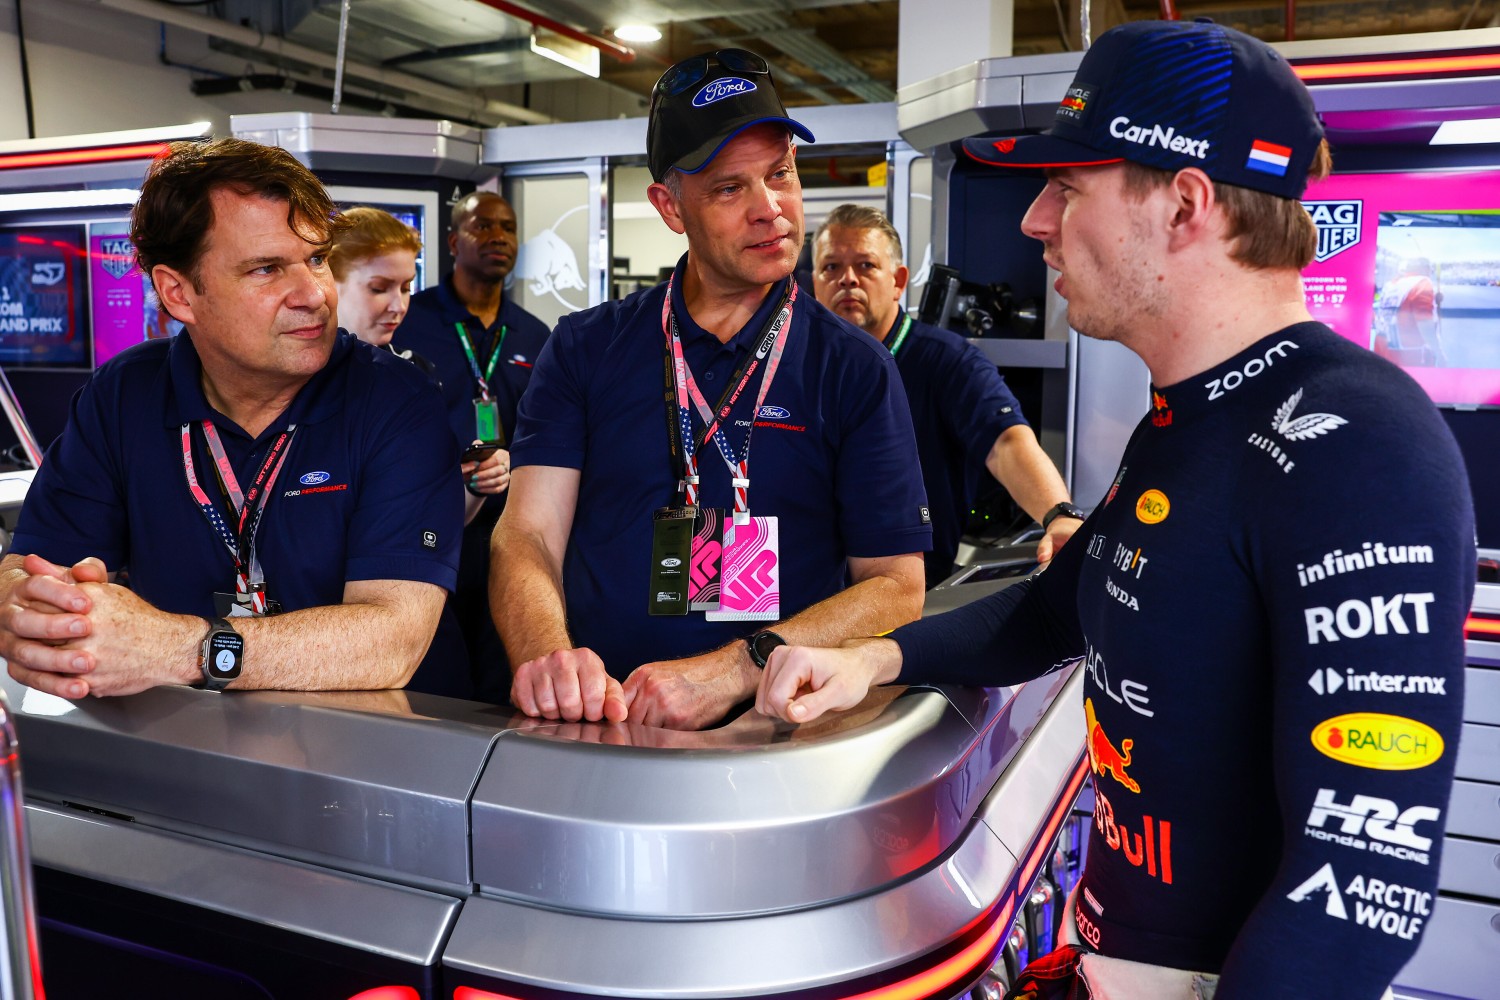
(1392, 909)
(1368, 823)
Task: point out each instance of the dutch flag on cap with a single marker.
(1269, 158)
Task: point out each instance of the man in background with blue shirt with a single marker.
(260, 461)
(965, 416)
(616, 441)
(482, 346)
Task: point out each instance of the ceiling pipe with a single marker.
(1291, 20)
(479, 108)
(619, 52)
(1169, 11)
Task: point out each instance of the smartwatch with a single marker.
(761, 644)
(1063, 509)
(221, 654)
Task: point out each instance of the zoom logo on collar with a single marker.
(1156, 135)
(718, 90)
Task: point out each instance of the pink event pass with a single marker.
(703, 575)
(751, 579)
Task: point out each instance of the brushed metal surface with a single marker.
(744, 956)
(356, 781)
(1470, 867)
(750, 817)
(1478, 753)
(1474, 810)
(396, 921)
(1460, 950)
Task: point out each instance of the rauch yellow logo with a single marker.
(1152, 507)
(1382, 742)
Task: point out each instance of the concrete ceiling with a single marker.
(823, 51)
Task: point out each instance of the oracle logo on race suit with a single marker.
(1132, 694)
(1371, 824)
(1392, 909)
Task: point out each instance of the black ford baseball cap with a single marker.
(701, 103)
(1175, 94)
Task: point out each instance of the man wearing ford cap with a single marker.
(722, 397)
(1272, 742)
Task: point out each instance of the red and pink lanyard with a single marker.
(770, 349)
(250, 582)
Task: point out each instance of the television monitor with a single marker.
(1408, 265)
(42, 292)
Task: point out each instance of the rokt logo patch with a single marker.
(1152, 507)
(1377, 741)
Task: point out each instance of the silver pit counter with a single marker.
(408, 847)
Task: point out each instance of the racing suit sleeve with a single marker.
(1024, 631)
(1366, 580)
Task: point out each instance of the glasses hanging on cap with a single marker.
(688, 72)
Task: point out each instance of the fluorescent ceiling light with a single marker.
(92, 198)
(637, 33)
(1469, 131)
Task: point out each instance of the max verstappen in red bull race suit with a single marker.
(1269, 601)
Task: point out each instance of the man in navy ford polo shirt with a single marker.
(262, 460)
(482, 346)
(642, 409)
(965, 417)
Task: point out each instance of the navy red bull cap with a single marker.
(702, 102)
(1176, 94)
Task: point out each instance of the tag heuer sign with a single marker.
(117, 254)
(1338, 225)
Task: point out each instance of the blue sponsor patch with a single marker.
(718, 90)
(769, 412)
(314, 478)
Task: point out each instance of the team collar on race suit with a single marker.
(1216, 388)
(318, 400)
(691, 332)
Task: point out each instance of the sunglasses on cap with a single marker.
(688, 72)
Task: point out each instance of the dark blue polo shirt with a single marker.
(368, 475)
(430, 329)
(959, 406)
(832, 456)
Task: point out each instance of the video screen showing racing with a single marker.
(1437, 289)
(42, 298)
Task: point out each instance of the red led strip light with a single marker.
(64, 157)
(1489, 626)
(1425, 66)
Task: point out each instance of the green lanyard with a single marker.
(901, 335)
(483, 380)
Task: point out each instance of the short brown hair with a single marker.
(369, 232)
(1267, 231)
(861, 217)
(172, 219)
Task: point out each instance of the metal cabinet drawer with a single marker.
(1471, 867)
(1474, 810)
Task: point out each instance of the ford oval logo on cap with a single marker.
(769, 412)
(314, 478)
(718, 90)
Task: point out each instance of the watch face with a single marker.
(762, 645)
(224, 652)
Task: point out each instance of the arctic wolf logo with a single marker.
(1103, 756)
(117, 255)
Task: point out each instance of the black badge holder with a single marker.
(671, 554)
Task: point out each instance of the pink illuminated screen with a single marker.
(1408, 266)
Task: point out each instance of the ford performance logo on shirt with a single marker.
(769, 412)
(717, 90)
(314, 478)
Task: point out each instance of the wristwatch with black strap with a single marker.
(220, 655)
(1063, 509)
(761, 644)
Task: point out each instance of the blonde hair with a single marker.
(370, 232)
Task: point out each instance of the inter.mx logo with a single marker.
(1370, 823)
(1338, 225)
(1329, 681)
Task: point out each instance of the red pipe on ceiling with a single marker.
(1169, 10)
(609, 48)
(1291, 20)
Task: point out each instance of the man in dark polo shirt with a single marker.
(965, 417)
(261, 461)
(619, 434)
(482, 346)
